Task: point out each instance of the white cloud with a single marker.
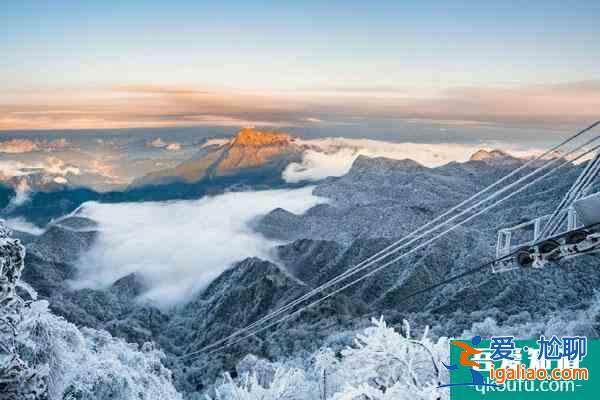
(22, 194)
(17, 146)
(317, 165)
(173, 146)
(20, 146)
(161, 144)
(158, 142)
(216, 142)
(50, 165)
(179, 247)
(334, 156)
(56, 166)
(20, 224)
(9, 169)
(313, 120)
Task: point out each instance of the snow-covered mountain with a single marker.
(277, 153)
(376, 202)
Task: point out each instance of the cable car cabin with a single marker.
(529, 249)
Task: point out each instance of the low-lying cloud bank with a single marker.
(22, 194)
(22, 225)
(17, 146)
(179, 247)
(334, 156)
(20, 146)
(50, 165)
(161, 144)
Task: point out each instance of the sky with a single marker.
(123, 64)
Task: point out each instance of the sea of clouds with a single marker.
(179, 247)
(334, 156)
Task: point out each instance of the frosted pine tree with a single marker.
(18, 379)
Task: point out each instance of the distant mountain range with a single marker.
(250, 160)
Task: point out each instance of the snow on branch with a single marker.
(382, 364)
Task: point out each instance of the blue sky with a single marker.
(381, 48)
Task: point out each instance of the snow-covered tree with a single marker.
(383, 364)
(286, 384)
(582, 322)
(18, 378)
(325, 363)
(42, 356)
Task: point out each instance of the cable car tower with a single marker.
(573, 229)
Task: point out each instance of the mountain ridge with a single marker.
(249, 150)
